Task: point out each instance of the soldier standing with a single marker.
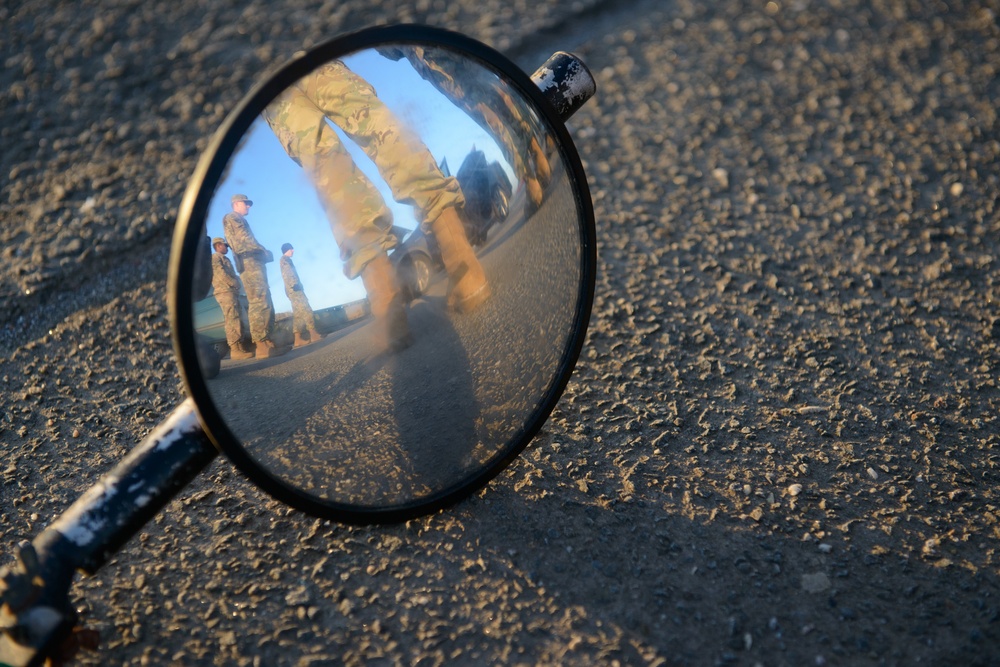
(251, 258)
(303, 320)
(359, 218)
(226, 286)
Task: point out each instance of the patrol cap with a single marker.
(237, 198)
(285, 247)
(217, 240)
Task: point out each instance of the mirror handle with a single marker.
(115, 508)
(36, 616)
(567, 83)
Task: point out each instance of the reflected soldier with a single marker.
(479, 93)
(251, 258)
(226, 287)
(361, 222)
(303, 320)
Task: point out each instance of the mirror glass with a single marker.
(399, 279)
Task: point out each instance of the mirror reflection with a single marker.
(396, 255)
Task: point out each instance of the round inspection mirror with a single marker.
(404, 277)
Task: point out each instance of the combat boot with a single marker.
(315, 336)
(468, 287)
(267, 349)
(300, 340)
(237, 352)
(392, 331)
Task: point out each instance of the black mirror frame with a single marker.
(188, 235)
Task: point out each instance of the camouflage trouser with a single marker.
(484, 97)
(360, 220)
(302, 314)
(260, 310)
(230, 304)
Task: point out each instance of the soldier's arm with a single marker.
(239, 236)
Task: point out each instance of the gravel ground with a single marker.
(781, 444)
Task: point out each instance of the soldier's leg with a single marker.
(298, 324)
(359, 219)
(401, 157)
(466, 91)
(309, 317)
(515, 151)
(260, 312)
(487, 103)
(392, 332)
(235, 331)
(518, 119)
(230, 317)
(304, 313)
(409, 169)
(303, 321)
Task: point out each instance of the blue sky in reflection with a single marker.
(286, 208)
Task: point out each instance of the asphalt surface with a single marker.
(781, 443)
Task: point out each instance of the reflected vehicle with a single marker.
(487, 191)
(334, 318)
(418, 262)
(210, 324)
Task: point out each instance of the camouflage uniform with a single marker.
(360, 220)
(302, 314)
(479, 93)
(226, 286)
(260, 310)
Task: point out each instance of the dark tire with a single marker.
(421, 273)
(481, 237)
(211, 362)
(414, 273)
(501, 208)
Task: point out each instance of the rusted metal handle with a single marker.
(566, 82)
(36, 618)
